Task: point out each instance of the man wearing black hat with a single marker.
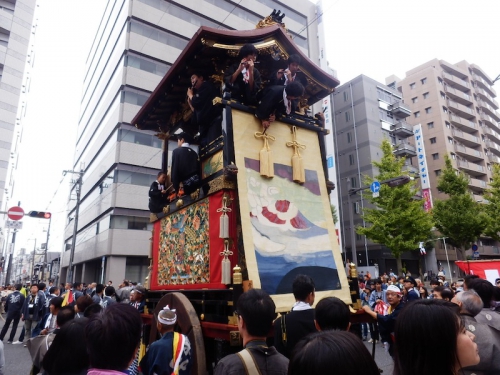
(185, 166)
(409, 292)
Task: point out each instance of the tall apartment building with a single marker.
(134, 46)
(365, 112)
(16, 27)
(456, 107)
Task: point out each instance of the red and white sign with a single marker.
(15, 213)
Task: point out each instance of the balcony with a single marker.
(489, 110)
(488, 120)
(460, 109)
(495, 136)
(409, 169)
(478, 198)
(477, 185)
(482, 73)
(492, 146)
(483, 84)
(400, 109)
(472, 169)
(493, 159)
(405, 150)
(452, 69)
(485, 96)
(468, 153)
(465, 138)
(402, 129)
(463, 124)
(457, 95)
(456, 82)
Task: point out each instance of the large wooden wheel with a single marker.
(189, 325)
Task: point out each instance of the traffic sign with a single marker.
(15, 213)
(14, 224)
(375, 187)
(474, 247)
(475, 254)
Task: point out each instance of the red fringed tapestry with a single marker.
(187, 247)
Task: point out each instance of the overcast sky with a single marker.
(375, 38)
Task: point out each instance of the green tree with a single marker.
(398, 220)
(460, 217)
(492, 209)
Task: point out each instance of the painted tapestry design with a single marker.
(289, 230)
(184, 251)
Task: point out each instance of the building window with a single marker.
(447, 124)
(412, 86)
(433, 140)
(416, 114)
(445, 110)
(347, 117)
(426, 95)
(354, 184)
(346, 96)
(428, 110)
(440, 81)
(415, 99)
(453, 156)
(349, 137)
(438, 172)
(435, 156)
(450, 140)
(355, 207)
(351, 159)
(430, 125)
(423, 80)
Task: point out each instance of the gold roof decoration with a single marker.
(275, 18)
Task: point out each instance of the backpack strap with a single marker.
(248, 362)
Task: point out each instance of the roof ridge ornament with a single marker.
(275, 18)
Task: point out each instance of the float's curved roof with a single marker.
(212, 51)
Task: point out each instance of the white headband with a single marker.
(167, 321)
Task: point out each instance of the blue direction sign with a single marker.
(375, 187)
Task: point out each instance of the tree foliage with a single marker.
(398, 220)
(334, 214)
(460, 217)
(492, 209)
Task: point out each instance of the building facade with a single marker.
(16, 57)
(456, 107)
(134, 46)
(365, 112)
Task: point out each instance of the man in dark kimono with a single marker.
(243, 79)
(282, 77)
(185, 166)
(206, 115)
(158, 194)
(277, 101)
(170, 354)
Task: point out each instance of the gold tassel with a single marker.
(224, 218)
(298, 171)
(226, 264)
(266, 155)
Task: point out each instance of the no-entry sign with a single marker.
(15, 213)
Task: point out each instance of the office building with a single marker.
(134, 46)
(16, 56)
(456, 107)
(365, 113)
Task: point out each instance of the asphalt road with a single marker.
(17, 357)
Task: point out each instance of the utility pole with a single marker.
(33, 264)
(45, 253)
(69, 276)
